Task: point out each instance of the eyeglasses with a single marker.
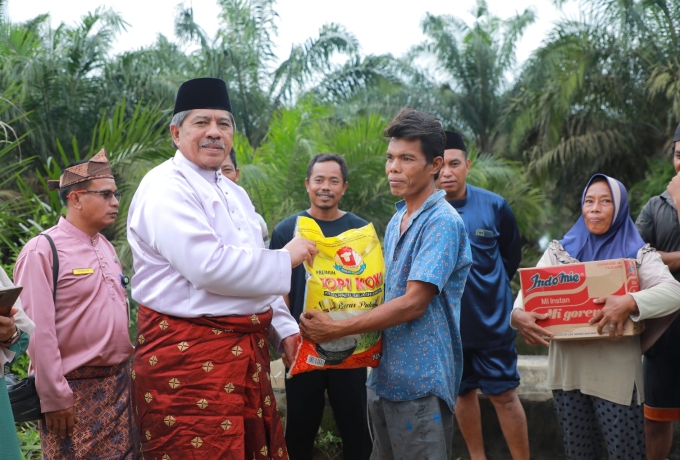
(106, 194)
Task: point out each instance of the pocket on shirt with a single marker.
(484, 254)
(483, 242)
(73, 288)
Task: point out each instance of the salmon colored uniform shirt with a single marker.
(89, 324)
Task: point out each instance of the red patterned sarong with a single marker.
(105, 429)
(202, 388)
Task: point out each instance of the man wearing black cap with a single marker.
(489, 355)
(658, 226)
(209, 297)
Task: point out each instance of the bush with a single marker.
(328, 445)
(29, 440)
(20, 366)
(656, 179)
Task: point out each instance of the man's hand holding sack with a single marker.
(301, 250)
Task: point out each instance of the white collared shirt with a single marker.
(198, 251)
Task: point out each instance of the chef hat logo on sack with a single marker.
(348, 261)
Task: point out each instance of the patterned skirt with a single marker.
(202, 388)
(586, 419)
(105, 430)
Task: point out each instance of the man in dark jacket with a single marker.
(658, 226)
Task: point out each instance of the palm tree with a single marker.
(599, 95)
(63, 92)
(10, 168)
(468, 91)
(274, 173)
(149, 75)
(135, 144)
(472, 66)
(242, 53)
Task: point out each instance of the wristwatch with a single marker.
(12, 340)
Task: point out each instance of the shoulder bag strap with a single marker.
(55, 266)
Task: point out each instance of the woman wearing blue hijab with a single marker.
(620, 239)
(597, 384)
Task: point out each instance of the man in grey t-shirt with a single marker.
(658, 226)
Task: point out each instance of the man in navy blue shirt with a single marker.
(489, 355)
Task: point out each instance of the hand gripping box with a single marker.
(566, 293)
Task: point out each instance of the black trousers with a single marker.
(305, 401)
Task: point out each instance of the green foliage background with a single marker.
(600, 94)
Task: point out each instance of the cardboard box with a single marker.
(566, 292)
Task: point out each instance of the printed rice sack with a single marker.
(347, 280)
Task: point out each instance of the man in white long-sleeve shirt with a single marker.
(209, 296)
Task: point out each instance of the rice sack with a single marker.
(347, 280)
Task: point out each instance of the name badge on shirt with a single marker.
(484, 233)
(83, 271)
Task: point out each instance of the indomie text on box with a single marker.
(566, 293)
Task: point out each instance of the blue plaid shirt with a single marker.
(425, 356)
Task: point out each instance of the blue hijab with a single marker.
(621, 240)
